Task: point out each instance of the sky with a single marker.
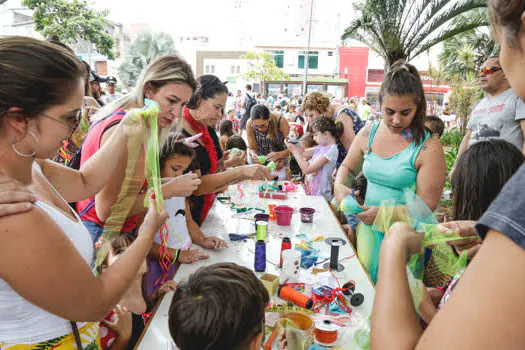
(164, 15)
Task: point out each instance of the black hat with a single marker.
(95, 77)
(111, 79)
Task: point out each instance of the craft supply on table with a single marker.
(307, 215)
(290, 269)
(271, 210)
(273, 194)
(326, 332)
(299, 299)
(271, 283)
(308, 258)
(285, 245)
(262, 159)
(262, 230)
(236, 237)
(334, 243)
(356, 299)
(283, 214)
(271, 166)
(260, 256)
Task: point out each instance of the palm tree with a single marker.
(465, 53)
(146, 47)
(403, 29)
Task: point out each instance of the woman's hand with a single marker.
(254, 157)
(213, 243)
(255, 172)
(133, 124)
(122, 323)
(466, 228)
(13, 198)
(234, 160)
(368, 215)
(153, 220)
(181, 186)
(189, 256)
(402, 236)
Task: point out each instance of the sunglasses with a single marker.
(261, 126)
(72, 121)
(489, 70)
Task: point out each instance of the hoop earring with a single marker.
(26, 155)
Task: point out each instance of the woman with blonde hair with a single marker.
(168, 81)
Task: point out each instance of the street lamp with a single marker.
(306, 59)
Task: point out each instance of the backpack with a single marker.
(248, 103)
(358, 123)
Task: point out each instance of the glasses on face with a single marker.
(72, 121)
(489, 70)
(261, 126)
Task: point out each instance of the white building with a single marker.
(15, 19)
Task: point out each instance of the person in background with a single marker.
(290, 113)
(111, 95)
(237, 142)
(204, 302)
(435, 125)
(230, 104)
(501, 114)
(226, 131)
(281, 171)
(363, 109)
(94, 84)
(266, 133)
(248, 101)
(320, 168)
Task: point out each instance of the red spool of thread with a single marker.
(285, 245)
(326, 332)
(299, 299)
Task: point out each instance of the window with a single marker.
(238, 70)
(212, 69)
(313, 59)
(207, 68)
(232, 69)
(330, 53)
(278, 57)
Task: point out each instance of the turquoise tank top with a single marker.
(388, 177)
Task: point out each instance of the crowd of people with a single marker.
(87, 249)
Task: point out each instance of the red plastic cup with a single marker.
(283, 214)
(307, 214)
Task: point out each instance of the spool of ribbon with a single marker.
(260, 256)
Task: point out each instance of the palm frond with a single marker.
(447, 14)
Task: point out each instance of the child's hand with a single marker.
(153, 220)
(368, 215)
(189, 256)
(166, 287)
(291, 146)
(182, 186)
(213, 243)
(122, 324)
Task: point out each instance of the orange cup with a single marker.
(271, 209)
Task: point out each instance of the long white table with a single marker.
(220, 223)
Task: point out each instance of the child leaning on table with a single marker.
(122, 327)
(179, 230)
(220, 307)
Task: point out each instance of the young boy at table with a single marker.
(220, 307)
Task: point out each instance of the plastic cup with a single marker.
(307, 214)
(283, 215)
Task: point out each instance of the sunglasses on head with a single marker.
(489, 70)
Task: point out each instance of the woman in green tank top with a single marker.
(394, 154)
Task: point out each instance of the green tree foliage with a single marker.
(146, 47)
(262, 68)
(465, 53)
(403, 29)
(70, 21)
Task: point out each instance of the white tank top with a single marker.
(24, 323)
(178, 236)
